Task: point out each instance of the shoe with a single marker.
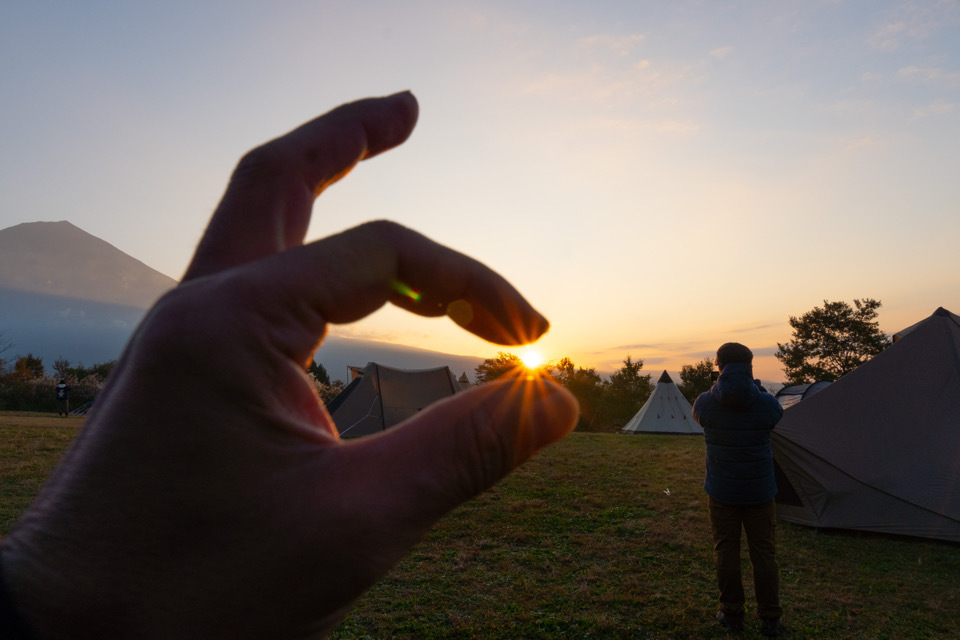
(771, 628)
(731, 624)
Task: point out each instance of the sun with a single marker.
(531, 358)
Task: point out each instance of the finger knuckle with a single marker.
(265, 163)
(386, 231)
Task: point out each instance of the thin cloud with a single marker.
(620, 45)
(759, 327)
(601, 84)
(632, 347)
(625, 128)
(852, 107)
(721, 52)
(703, 354)
(765, 351)
(888, 36)
(937, 108)
(365, 333)
(658, 353)
(856, 144)
(609, 85)
(914, 21)
(930, 75)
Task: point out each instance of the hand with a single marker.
(209, 495)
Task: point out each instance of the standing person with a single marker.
(737, 416)
(63, 398)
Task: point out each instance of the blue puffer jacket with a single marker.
(737, 418)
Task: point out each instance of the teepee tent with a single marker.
(666, 411)
(380, 397)
(878, 449)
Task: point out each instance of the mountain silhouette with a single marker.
(65, 293)
(59, 259)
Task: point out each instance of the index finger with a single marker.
(345, 277)
(266, 208)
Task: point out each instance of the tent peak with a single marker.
(939, 313)
(665, 411)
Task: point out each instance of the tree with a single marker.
(61, 368)
(587, 387)
(321, 382)
(696, 378)
(328, 392)
(92, 375)
(319, 372)
(626, 392)
(103, 369)
(831, 341)
(493, 368)
(5, 344)
(28, 367)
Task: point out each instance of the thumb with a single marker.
(461, 446)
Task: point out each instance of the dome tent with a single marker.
(381, 397)
(877, 450)
(792, 394)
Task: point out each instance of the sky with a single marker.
(656, 177)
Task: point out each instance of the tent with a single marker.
(380, 397)
(666, 411)
(792, 394)
(941, 311)
(879, 449)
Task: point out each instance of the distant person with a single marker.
(63, 398)
(235, 511)
(737, 416)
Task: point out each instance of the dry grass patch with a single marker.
(31, 444)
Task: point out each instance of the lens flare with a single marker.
(531, 358)
(406, 291)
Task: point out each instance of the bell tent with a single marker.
(877, 450)
(665, 411)
(380, 397)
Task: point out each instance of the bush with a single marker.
(38, 394)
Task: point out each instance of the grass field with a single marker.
(600, 536)
(30, 446)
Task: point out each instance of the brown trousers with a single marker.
(760, 524)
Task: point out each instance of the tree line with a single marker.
(605, 405)
(29, 385)
(827, 343)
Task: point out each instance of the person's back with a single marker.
(737, 417)
(63, 398)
